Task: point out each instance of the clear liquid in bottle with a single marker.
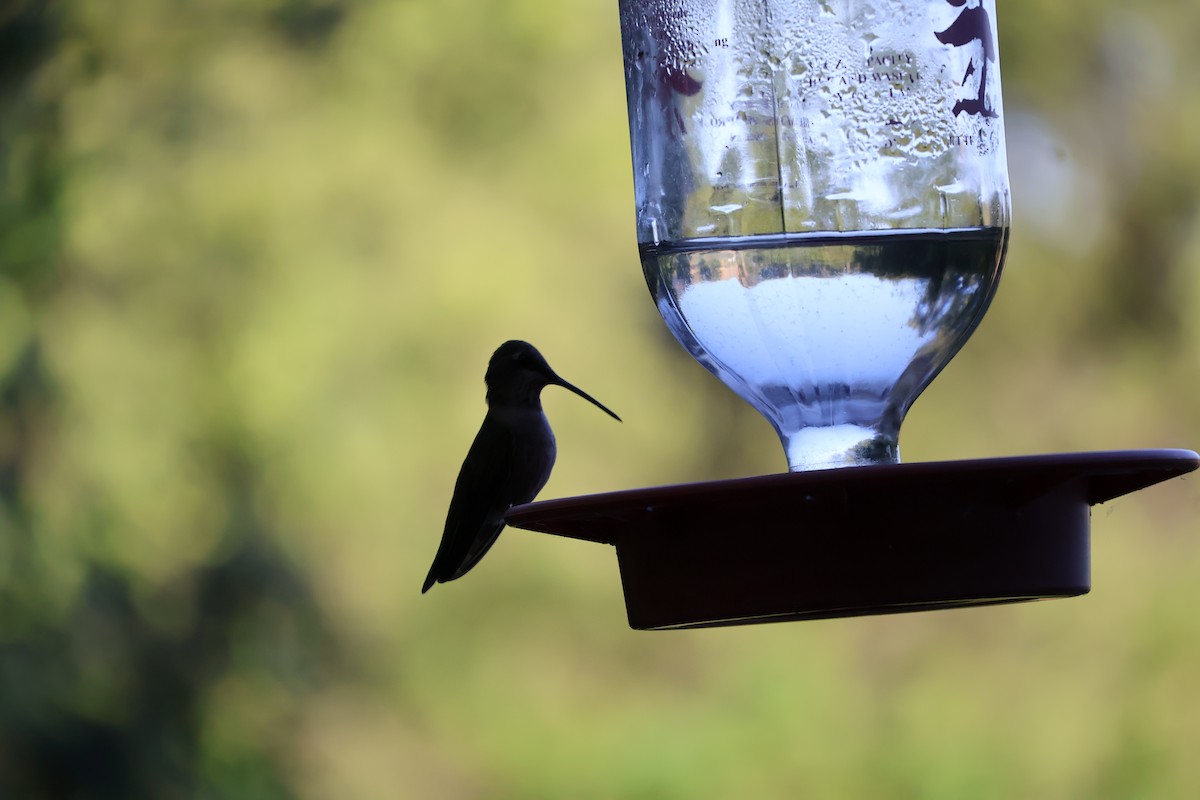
(831, 336)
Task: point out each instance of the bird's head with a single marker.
(517, 373)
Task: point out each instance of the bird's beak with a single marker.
(557, 381)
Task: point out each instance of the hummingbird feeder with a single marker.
(823, 210)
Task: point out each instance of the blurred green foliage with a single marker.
(253, 259)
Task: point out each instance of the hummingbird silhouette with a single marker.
(508, 463)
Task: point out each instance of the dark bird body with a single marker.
(508, 463)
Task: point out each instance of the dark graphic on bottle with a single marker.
(654, 48)
(675, 81)
(972, 25)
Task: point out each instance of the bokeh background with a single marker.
(253, 259)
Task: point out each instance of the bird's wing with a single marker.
(477, 509)
(479, 547)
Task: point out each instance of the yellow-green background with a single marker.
(253, 259)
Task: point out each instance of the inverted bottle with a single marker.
(822, 201)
